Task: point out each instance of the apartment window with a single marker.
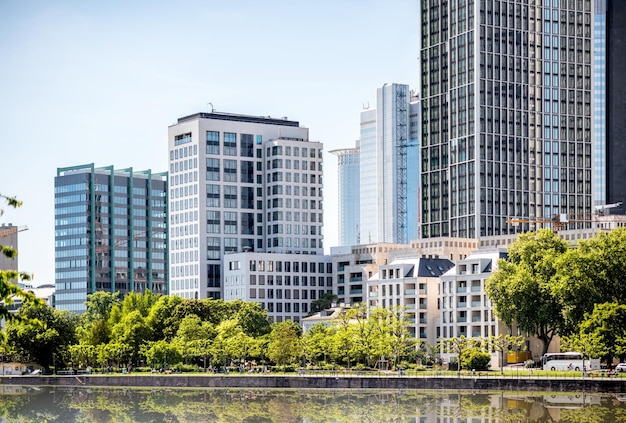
(213, 248)
(230, 144)
(213, 222)
(230, 196)
(230, 222)
(212, 169)
(230, 171)
(213, 195)
(212, 142)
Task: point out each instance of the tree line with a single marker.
(548, 288)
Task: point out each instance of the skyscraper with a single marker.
(110, 233)
(613, 53)
(349, 202)
(388, 167)
(506, 114)
(239, 184)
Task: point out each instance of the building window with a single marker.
(230, 171)
(230, 196)
(230, 144)
(212, 169)
(213, 195)
(212, 142)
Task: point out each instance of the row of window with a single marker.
(288, 266)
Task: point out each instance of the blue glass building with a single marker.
(110, 233)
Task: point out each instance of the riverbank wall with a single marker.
(609, 385)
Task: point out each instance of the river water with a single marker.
(178, 405)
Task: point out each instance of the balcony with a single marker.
(461, 304)
(476, 288)
(476, 319)
(475, 303)
(423, 321)
(356, 291)
(476, 334)
(409, 306)
(356, 279)
(423, 306)
(461, 320)
(461, 289)
(409, 292)
(373, 294)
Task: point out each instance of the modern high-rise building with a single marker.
(110, 233)
(507, 115)
(239, 183)
(615, 89)
(599, 103)
(388, 169)
(349, 199)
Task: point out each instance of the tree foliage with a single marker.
(521, 289)
(8, 289)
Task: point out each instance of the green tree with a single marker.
(284, 347)
(132, 331)
(503, 343)
(159, 317)
(94, 326)
(252, 319)
(324, 302)
(316, 343)
(42, 334)
(521, 289)
(591, 274)
(163, 354)
(475, 358)
(602, 334)
(8, 289)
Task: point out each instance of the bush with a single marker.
(475, 359)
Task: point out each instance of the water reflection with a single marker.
(80, 404)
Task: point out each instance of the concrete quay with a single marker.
(608, 385)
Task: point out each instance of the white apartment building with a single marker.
(411, 286)
(239, 183)
(284, 284)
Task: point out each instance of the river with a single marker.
(84, 404)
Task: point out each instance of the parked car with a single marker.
(621, 367)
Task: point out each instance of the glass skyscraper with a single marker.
(349, 202)
(506, 91)
(388, 176)
(110, 233)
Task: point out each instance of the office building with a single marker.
(284, 284)
(348, 195)
(389, 167)
(615, 95)
(110, 233)
(239, 183)
(507, 115)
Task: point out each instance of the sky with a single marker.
(100, 82)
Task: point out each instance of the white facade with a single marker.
(239, 183)
(411, 285)
(284, 284)
(465, 308)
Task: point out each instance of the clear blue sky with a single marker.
(100, 82)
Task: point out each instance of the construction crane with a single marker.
(558, 221)
(11, 230)
(602, 208)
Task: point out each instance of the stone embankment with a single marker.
(613, 385)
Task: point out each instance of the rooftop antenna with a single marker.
(212, 108)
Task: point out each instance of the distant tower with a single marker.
(348, 189)
(389, 166)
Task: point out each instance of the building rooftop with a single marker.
(268, 120)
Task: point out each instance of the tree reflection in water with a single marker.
(100, 405)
